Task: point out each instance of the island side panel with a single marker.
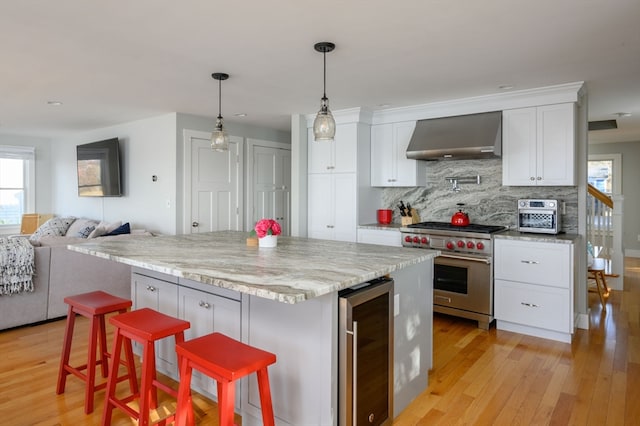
(304, 378)
(413, 332)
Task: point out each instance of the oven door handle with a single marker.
(473, 259)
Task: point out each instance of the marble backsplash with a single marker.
(487, 203)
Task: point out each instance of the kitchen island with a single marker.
(283, 300)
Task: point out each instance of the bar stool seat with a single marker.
(94, 306)
(225, 360)
(145, 326)
(596, 272)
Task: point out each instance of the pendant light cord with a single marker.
(324, 87)
(220, 98)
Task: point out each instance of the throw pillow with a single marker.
(56, 226)
(104, 228)
(84, 232)
(124, 229)
(80, 225)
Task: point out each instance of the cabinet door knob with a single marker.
(195, 224)
(329, 226)
(532, 178)
(151, 288)
(204, 304)
(539, 177)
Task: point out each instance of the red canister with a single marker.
(385, 216)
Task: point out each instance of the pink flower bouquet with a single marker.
(266, 227)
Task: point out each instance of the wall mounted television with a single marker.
(99, 169)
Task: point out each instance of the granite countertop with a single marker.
(296, 270)
(543, 238)
(379, 226)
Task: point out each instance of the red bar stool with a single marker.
(225, 360)
(145, 326)
(94, 306)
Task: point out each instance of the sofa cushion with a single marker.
(54, 226)
(81, 228)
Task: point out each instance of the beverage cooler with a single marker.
(366, 354)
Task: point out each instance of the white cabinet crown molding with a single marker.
(560, 93)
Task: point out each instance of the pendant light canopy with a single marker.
(324, 126)
(219, 137)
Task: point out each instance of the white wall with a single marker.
(148, 147)
(43, 167)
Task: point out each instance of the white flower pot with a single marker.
(268, 241)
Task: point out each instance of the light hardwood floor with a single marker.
(479, 377)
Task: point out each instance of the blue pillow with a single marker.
(123, 229)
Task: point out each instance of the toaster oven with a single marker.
(539, 216)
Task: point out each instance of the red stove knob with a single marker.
(480, 246)
(470, 244)
(416, 240)
(450, 245)
(408, 238)
(460, 243)
(424, 240)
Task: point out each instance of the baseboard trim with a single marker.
(632, 253)
(583, 321)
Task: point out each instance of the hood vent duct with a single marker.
(457, 138)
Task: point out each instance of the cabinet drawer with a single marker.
(548, 264)
(533, 305)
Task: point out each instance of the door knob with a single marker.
(195, 224)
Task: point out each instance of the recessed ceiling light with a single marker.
(240, 114)
(54, 103)
(622, 114)
(505, 87)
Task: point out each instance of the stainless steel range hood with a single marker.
(457, 138)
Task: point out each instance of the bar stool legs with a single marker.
(145, 326)
(225, 360)
(94, 306)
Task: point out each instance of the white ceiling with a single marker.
(114, 61)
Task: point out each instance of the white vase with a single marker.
(268, 241)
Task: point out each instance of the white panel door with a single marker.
(272, 186)
(215, 187)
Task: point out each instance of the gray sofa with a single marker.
(61, 273)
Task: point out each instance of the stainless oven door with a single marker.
(463, 282)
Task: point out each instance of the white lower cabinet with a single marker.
(383, 237)
(162, 296)
(208, 313)
(534, 285)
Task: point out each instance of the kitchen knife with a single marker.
(409, 209)
(402, 208)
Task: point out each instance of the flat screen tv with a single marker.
(99, 169)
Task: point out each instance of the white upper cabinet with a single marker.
(389, 163)
(539, 146)
(338, 156)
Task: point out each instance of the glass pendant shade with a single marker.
(219, 137)
(324, 126)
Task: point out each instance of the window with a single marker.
(17, 179)
(604, 172)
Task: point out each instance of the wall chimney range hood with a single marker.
(457, 138)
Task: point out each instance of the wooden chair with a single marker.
(32, 221)
(596, 272)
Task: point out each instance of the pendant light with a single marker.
(219, 137)
(324, 126)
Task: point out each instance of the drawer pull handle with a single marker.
(151, 288)
(446, 299)
(531, 305)
(204, 304)
(530, 262)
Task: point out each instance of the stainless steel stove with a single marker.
(463, 273)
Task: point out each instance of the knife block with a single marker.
(410, 220)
